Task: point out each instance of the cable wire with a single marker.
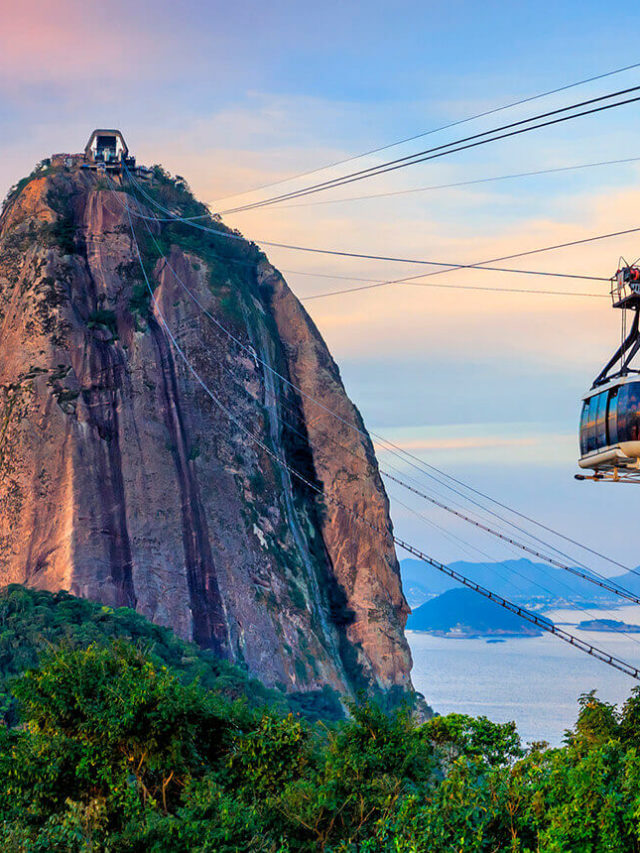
(540, 622)
(448, 148)
(447, 267)
(602, 583)
(456, 184)
(450, 267)
(389, 445)
(514, 547)
(435, 130)
(465, 544)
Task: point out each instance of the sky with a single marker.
(486, 386)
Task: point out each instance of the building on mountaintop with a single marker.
(106, 149)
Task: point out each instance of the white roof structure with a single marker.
(103, 139)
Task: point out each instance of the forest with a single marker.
(119, 737)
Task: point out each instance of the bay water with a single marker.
(535, 681)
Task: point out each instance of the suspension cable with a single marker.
(598, 580)
(467, 546)
(442, 530)
(421, 465)
(454, 185)
(360, 255)
(435, 130)
(389, 445)
(540, 622)
(450, 267)
(416, 462)
(603, 583)
(438, 151)
(515, 546)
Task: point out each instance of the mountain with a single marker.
(133, 477)
(630, 580)
(519, 580)
(463, 613)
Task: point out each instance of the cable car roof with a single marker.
(114, 132)
(618, 380)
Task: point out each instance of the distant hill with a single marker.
(607, 625)
(630, 580)
(518, 580)
(463, 613)
(421, 582)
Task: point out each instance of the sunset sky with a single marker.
(237, 95)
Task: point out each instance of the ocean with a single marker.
(534, 681)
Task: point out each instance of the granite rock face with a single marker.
(139, 439)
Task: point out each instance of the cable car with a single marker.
(610, 421)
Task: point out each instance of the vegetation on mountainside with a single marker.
(40, 170)
(33, 622)
(116, 751)
(230, 261)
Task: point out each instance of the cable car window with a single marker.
(590, 430)
(628, 409)
(622, 406)
(633, 412)
(584, 418)
(612, 420)
(601, 420)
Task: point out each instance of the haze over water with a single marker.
(534, 681)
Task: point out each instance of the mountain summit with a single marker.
(136, 473)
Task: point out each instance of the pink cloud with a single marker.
(68, 40)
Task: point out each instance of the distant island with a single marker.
(608, 625)
(464, 614)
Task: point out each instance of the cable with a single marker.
(603, 584)
(394, 449)
(514, 545)
(614, 589)
(610, 587)
(434, 187)
(540, 622)
(512, 524)
(435, 130)
(360, 255)
(466, 545)
(448, 148)
(445, 264)
(477, 265)
(421, 465)
(450, 267)
(493, 567)
(457, 287)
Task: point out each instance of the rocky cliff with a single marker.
(129, 475)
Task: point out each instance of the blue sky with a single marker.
(236, 95)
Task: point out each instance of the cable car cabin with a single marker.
(610, 426)
(610, 421)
